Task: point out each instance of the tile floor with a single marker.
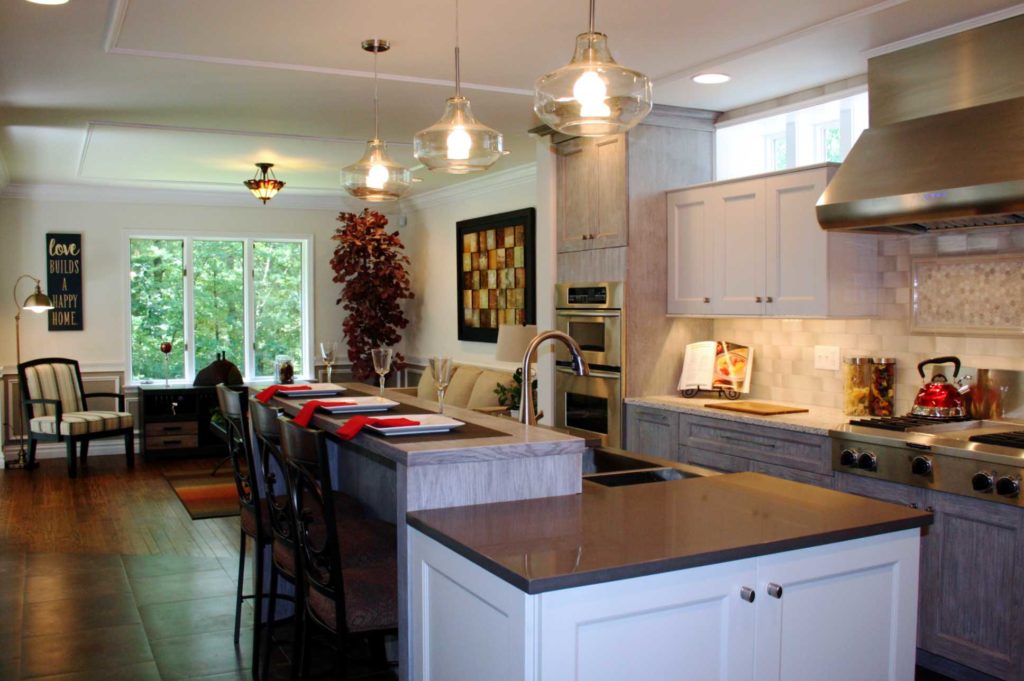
(86, 617)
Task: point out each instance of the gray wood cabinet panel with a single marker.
(592, 193)
(714, 460)
(972, 590)
(652, 431)
(773, 446)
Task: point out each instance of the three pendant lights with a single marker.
(591, 96)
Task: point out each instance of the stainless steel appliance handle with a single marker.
(593, 373)
(564, 312)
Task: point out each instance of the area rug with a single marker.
(204, 495)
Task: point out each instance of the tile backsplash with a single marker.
(784, 348)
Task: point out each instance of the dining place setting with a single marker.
(363, 411)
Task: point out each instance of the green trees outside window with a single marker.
(213, 272)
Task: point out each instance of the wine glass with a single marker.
(381, 364)
(166, 347)
(328, 349)
(441, 367)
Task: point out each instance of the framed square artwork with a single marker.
(496, 273)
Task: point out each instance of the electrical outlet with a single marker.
(826, 357)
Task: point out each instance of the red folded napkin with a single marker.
(306, 413)
(265, 394)
(355, 424)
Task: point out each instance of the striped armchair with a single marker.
(55, 409)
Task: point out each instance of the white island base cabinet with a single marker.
(845, 611)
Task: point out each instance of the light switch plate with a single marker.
(826, 357)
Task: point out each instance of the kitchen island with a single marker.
(739, 576)
(489, 459)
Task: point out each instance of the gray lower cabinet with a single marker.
(737, 446)
(972, 591)
(652, 431)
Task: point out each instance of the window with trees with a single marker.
(790, 138)
(248, 298)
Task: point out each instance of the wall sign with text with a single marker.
(64, 281)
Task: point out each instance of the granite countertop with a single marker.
(817, 420)
(504, 439)
(611, 533)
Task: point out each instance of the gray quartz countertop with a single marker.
(817, 420)
(612, 533)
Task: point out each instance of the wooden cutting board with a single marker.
(759, 408)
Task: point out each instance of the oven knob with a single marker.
(921, 465)
(982, 481)
(867, 461)
(1007, 486)
(848, 458)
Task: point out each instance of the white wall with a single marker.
(104, 226)
(429, 236)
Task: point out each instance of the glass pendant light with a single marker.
(375, 177)
(458, 143)
(264, 186)
(592, 95)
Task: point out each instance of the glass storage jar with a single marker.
(856, 386)
(883, 386)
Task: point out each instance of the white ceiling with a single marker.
(191, 93)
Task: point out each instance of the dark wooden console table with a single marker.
(175, 421)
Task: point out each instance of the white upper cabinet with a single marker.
(592, 193)
(753, 247)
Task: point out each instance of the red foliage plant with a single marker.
(369, 264)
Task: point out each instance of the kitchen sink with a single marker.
(617, 468)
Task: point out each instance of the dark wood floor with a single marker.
(106, 577)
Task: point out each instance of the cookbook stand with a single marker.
(723, 393)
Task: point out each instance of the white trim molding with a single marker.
(495, 181)
(952, 29)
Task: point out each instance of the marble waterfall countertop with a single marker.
(816, 421)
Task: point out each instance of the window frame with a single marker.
(248, 366)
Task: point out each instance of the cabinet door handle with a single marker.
(757, 299)
(769, 299)
(707, 300)
(774, 590)
(747, 594)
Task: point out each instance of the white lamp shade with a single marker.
(513, 341)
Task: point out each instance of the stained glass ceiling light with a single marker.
(264, 185)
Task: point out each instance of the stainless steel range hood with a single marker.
(960, 167)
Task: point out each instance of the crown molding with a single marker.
(119, 10)
(173, 195)
(517, 176)
(952, 29)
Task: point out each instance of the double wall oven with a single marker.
(592, 314)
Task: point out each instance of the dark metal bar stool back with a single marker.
(254, 520)
(348, 570)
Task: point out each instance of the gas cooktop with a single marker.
(981, 458)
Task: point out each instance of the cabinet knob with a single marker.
(747, 594)
(757, 299)
(774, 590)
(769, 299)
(707, 300)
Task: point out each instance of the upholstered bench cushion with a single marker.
(82, 422)
(471, 387)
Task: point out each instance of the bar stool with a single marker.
(349, 569)
(254, 514)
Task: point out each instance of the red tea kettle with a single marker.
(940, 398)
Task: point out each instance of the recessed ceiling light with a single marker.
(49, 2)
(711, 78)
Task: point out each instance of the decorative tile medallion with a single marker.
(970, 294)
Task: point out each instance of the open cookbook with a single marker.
(716, 365)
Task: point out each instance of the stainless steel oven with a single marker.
(592, 314)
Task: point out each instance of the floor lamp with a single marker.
(36, 302)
